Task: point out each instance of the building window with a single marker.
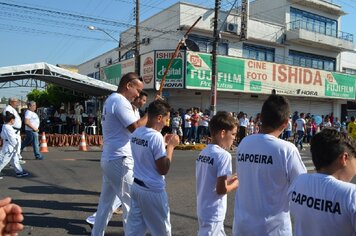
(312, 61)
(129, 54)
(312, 22)
(349, 71)
(258, 52)
(204, 44)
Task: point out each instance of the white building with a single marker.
(293, 46)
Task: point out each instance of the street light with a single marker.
(91, 27)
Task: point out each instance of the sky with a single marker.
(56, 31)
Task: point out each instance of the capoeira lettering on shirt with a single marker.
(206, 159)
(316, 203)
(139, 141)
(256, 158)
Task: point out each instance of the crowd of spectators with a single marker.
(192, 125)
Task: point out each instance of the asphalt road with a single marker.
(64, 189)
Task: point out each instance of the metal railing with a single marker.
(317, 28)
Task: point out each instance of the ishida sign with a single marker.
(252, 76)
(175, 75)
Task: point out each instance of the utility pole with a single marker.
(137, 39)
(214, 65)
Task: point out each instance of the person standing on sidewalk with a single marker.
(32, 123)
(13, 105)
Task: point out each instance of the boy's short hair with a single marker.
(222, 121)
(275, 111)
(158, 107)
(327, 145)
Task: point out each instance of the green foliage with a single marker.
(54, 95)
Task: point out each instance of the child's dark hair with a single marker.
(222, 121)
(8, 117)
(328, 145)
(158, 107)
(275, 111)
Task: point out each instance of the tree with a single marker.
(53, 96)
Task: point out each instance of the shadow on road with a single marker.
(53, 190)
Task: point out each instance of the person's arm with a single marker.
(225, 184)
(164, 163)
(10, 217)
(140, 122)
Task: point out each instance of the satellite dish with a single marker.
(191, 45)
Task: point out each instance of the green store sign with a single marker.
(343, 86)
(229, 74)
(113, 74)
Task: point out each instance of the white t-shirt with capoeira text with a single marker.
(266, 167)
(322, 205)
(212, 163)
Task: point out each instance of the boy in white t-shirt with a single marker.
(213, 166)
(152, 155)
(323, 203)
(266, 167)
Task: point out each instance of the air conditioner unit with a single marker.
(145, 41)
(232, 28)
(108, 61)
(97, 65)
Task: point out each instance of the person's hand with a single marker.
(233, 181)
(171, 139)
(10, 218)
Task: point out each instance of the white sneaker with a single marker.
(22, 162)
(193, 143)
(186, 143)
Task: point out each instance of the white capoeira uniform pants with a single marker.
(12, 157)
(149, 211)
(117, 181)
(211, 228)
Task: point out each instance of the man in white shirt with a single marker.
(118, 121)
(300, 127)
(32, 122)
(187, 126)
(12, 108)
(323, 203)
(243, 126)
(266, 167)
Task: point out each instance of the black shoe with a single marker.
(39, 158)
(22, 174)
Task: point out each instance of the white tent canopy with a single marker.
(56, 75)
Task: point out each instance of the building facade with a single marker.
(295, 47)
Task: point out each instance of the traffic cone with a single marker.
(83, 144)
(43, 145)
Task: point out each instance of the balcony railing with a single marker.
(321, 29)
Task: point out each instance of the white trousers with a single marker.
(6, 157)
(149, 211)
(211, 228)
(116, 205)
(117, 181)
(18, 148)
